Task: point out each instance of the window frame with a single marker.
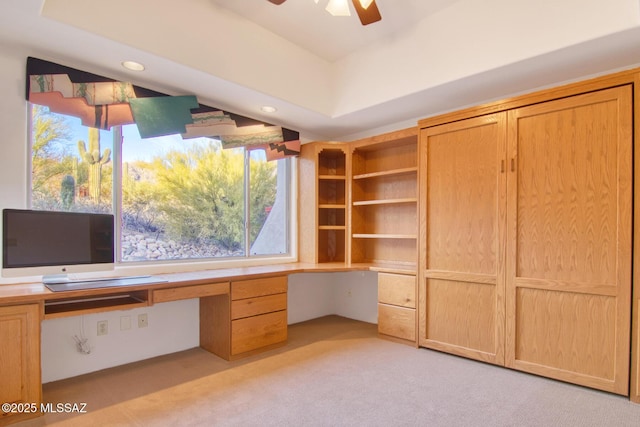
(190, 264)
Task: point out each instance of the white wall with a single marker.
(348, 294)
(13, 122)
(172, 326)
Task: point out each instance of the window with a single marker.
(177, 199)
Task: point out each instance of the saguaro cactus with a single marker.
(95, 161)
(67, 191)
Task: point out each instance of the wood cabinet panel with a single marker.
(566, 335)
(463, 202)
(258, 287)
(331, 192)
(397, 322)
(463, 194)
(331, 246)
(397, 289)
(569, 239)
(20, 358)
(256, 332)
(462, 318)
(189, 292)
(635, 351)
(215, 325)
(537, 225)
(259, 305)
(567, 192)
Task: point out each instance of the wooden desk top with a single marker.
(23, 293)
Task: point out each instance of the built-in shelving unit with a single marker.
(384, 208)
(364, 210)
(332, 205)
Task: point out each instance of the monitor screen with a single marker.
(48, 242)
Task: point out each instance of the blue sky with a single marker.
(135, 148)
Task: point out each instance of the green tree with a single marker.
(51, 152)
(140, 210)
(201, 194)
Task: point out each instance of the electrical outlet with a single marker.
(125, 323)
(142, 320)
(103, 327)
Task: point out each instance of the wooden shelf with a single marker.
(331, 215)
(332, 162)
(384, 236)
(391, 172)
(385, 201)
(394, 267)
(332, 227)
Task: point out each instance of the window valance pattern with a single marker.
(101, 102)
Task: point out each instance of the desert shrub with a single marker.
(200, 193)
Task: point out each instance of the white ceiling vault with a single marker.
(330, 77)
(311, 27)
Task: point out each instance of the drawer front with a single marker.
(397, 322)
(258, 287)
(255, 332)
(397, 289)
(259, 305)
(188, 292)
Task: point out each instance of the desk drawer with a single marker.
(397, 289)
(188, 292)
(397, 322)
(255, 332)
(258, 287)
(260, 305)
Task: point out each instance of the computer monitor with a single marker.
(54, 244)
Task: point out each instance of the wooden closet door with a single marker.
(569, 239)
(462, 236)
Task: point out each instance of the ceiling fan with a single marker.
(367, 10)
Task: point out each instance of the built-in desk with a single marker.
(242, 311)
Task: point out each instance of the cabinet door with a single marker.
(20, 356)
(569, 239)
(463, 187)
(255, 332)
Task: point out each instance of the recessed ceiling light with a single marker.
(268, 109)
(133, 66)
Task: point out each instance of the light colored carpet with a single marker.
(333, 372)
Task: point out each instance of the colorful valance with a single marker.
(101, 103)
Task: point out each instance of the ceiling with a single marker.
(310, 26)
(330, 77)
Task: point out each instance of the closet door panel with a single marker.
(569, 239)
(465, 305)
(462, 283)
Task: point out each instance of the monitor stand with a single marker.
(54, 279)
(82, 284)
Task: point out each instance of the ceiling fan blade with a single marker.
(277, 1)
(369, 15)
